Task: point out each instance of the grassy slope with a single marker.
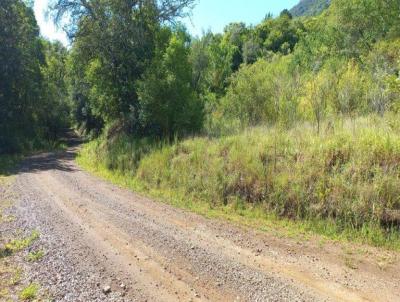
(340, 184)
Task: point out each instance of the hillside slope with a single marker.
(309, 7)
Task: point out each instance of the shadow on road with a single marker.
(56, 160)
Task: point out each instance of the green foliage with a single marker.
(7, 163)
(168, 102)
(30, 292)
(55, 111)
(20, 79)
(212, 63)
(264, 92)
(78, 93)
(280, 34)
(350, 90)
(130, 152)
(337, 66)
(363, 22)
(35, 256)
(32, 88)
(114, 44)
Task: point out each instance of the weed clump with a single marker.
(30, 292)
(16, 245)
(35, 256)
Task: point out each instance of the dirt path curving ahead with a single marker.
(96, 234)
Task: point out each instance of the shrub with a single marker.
(265, 92)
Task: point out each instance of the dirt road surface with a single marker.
(96, 235)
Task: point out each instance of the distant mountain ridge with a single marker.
(309, 7)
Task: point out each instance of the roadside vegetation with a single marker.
(30, 292)
(7, 163)
(341, 183)
(35, 255)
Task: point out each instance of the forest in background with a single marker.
(295, 115)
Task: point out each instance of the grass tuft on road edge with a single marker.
(35, 256)
(17, 245)
(30, 292)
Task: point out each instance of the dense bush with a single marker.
(265, 92)
(33, 110)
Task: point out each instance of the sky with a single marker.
(207, 15)
(216, 14)
(47, 27)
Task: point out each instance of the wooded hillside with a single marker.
(309, 7)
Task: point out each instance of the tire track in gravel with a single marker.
(167, 254)
(189, 257)
(148, 264)
(203, 238)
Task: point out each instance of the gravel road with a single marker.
(105, 243)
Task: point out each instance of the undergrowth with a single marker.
(342, 183)
(7, 163)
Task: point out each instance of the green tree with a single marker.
(55, 114)
(351, 90)
(21, 57)
(251, 51)
(170, 105)
(116, 39)
(280, 34)
(78, 93)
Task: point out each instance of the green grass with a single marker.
(16, 245)
(35, 256)
(30, 292)
(20, 244)
(343, 183)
